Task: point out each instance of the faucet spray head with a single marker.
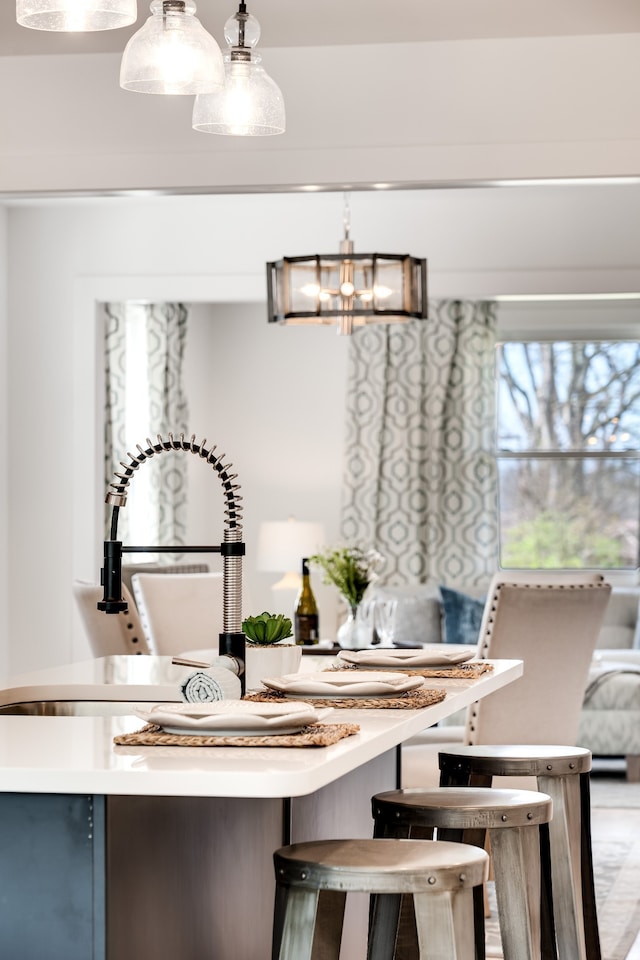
(111, 579)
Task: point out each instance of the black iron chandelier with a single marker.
(347, 289)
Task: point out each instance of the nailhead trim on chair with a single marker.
(530, 586)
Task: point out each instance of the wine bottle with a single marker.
(306, 612)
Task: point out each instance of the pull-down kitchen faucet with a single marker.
(232, 640)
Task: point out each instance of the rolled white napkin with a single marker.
(204, 686)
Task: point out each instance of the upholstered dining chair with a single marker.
(551, 622)
(109, 634)
(179, 612)
(129, 569)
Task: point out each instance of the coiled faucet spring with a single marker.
(232, 641)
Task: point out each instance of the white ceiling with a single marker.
(287, 23)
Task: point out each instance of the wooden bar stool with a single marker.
(516, 822)
(563, 774)
(313, 879)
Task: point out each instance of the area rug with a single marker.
(615, 831)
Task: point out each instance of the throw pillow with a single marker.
(462, 616)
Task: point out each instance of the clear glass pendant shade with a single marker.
(172, 53)
(76, 16)
(250, 103)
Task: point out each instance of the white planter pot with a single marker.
(272, 660)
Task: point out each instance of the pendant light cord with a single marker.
(346, 217)
(242, 11)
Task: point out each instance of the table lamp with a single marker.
(282, 546)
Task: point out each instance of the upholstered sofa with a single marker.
(610, 718)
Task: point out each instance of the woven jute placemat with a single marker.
(412, 700)
(315, 735)
(463, 671)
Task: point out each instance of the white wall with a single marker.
(273, 399)
(64, 255)
(400, 113)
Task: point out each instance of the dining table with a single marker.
(115, 848)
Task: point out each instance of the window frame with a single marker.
(556, 321)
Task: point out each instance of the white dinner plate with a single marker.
(351, 684)
(231, 718)
(406, 659)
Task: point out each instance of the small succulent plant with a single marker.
(267, 628)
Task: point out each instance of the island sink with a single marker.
(104, 687)
(69, 708)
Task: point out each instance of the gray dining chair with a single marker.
(549, 621)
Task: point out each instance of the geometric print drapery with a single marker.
(144, 396)
(420, 480)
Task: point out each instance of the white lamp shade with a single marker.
(172, 53)
(283, 545)
(249, 105)
(73, 16)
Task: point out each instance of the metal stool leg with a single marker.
(383, 926)
(311, 926)
(566, 866)
(298, 921)
(591, 932)
(516, 856)
(443, 926)
(395, 914)
(478, 839)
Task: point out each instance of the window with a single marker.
(568, 450)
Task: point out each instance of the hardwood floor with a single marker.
(616, 819)
(634, 953)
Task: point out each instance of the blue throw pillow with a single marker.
(462, 616)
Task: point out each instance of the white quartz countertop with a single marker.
(57, 754)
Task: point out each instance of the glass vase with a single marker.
(347, 633)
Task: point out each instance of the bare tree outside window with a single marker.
(568, 448)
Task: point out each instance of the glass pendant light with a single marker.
(76, 16)
(250, 104)
(172, 53)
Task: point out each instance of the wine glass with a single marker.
(365, 622)
(384, 612)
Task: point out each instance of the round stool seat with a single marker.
(463, 808)
(381, 866)
(521, 760)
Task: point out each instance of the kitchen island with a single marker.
(122, 852)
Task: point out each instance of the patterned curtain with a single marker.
(144, 396)
(421, 482)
